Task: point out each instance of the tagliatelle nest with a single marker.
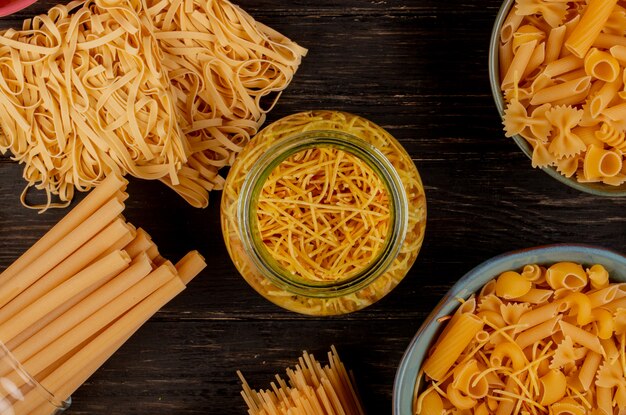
(167, 90)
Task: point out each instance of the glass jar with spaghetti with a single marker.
(323, 213)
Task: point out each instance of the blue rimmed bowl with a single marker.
(403, 390)
(598, 189)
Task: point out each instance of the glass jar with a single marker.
(21, 394)
(365, 141)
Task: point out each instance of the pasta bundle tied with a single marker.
(532, 341)
(562, 71)
(70, 301)
(165, 90)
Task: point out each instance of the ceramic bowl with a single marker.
(598, 189)
(471, 282)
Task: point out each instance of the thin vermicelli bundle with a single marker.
(324, 214)
(311, 389)
(101, 86)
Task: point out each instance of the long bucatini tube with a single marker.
(61, 250)
(190, 266)
(93, 201)
(141, 243)
(102, 270)
(99, 320)
(85, 255)
(121, 243)
(96, 301)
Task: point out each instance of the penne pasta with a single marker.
(505, 57)
(518, 65)
(605, 95)
(537, 333)
(587, 30)
(563, 65)
(452, 345)
(509, 27)
(582, 337)
(554, 44)
(562, 91)
(571, 57)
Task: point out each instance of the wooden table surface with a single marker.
(419, 69)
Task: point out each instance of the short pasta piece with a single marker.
(562, 70)
(541, 340)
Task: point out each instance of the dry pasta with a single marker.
(325, 121)
(84, 94)
(324, 214)
(227, 71)
(564, 356)
(164, 90)
(563, 84)
(310, 389)
(70, 301)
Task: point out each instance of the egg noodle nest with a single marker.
(169, 90)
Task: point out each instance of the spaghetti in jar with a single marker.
(323, 213)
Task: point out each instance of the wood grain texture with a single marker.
(417, 68)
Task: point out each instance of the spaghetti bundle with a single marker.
(80, 292)
(100, 87)
(312, 389)
(324, 214)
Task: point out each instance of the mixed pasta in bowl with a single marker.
(538, 331)
(557, 72)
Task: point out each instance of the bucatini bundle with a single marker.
(70, 301)
(99, 87)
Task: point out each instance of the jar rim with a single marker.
(275, 154)
(49, 397)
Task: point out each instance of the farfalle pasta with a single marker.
(562, 352)
(563, 78)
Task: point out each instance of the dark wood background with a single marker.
(419, 69)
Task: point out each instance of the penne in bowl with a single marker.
(433, 333)
(569, 87)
